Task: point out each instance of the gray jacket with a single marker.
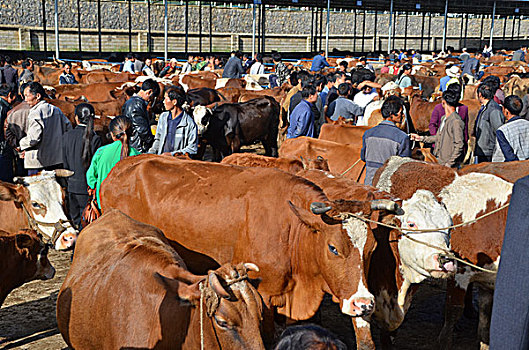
(489, 119)
(186, 135)
(233, 68)
(449, 141)
(43, 142)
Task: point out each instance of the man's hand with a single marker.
(415, 137)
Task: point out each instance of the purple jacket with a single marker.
(439, 112)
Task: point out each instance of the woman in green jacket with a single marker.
(107, 156)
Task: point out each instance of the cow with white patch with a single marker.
(393, 268)
(478, 203)
(37, 202)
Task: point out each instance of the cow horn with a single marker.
(251, 267)
(386, 204)
(63, 173)
(214, 283)
(319, 208)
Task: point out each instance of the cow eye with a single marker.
(333, 250)
(35, 205)
(221, 323)
(411, 224)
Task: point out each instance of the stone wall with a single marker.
(345, 27)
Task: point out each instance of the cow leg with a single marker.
(454, 306)
(469, 306)
(268, 327)
(364, 340)
(485, 311)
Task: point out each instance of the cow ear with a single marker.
(23, 241)
(9, 192)
(180, 289)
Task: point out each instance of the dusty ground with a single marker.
(27, 317)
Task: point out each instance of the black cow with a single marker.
(229, 126)
(203, 97)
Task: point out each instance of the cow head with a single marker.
(419, 258)
(202, 115)
(29, 244)
(42, 196)
(230, 301)
(343, 249)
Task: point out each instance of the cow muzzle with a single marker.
(441, 266)
(358, 306)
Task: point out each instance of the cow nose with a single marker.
(444, 262)
(66, 241)
(364, 305)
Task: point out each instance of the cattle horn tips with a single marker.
(319, 208)
(63, 173)
(386, 204)
(251, 267)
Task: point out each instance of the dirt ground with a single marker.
(27, 318)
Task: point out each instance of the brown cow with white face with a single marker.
(466, 197)
(24, 258)
(304, 244)
(128, 289)
(37, 202)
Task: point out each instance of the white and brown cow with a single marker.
(467, 197)
(37, 202)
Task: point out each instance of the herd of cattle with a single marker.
(201, 254)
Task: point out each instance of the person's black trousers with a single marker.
(76, 205)
(510, 313)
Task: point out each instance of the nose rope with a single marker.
(446, 252)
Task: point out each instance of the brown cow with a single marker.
(91, 92)
(292, 166)
(24, 258)
(37, 202)
(466, 197)
(343, 133)
(188, 82)
(342, 158)
(509, 171)
(397, 262)
(129, 267)
(279, 221)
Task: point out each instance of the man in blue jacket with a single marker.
(302, 118)
(319, 62)
(385, 139)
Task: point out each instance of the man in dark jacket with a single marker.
(233, 68)
(136, 110)
(489, 119)
(510, 312)
(7, 97)
(10, 73)
(302, 118)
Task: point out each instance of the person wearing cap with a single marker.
(455, 78)
(464, 55)
(445, 79)
(169, 69)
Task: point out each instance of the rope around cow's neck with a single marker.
(448, 254)
(35, 224)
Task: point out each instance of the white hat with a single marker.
(359, 64)
(389, 86)
(453, 72)
(173, 60)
